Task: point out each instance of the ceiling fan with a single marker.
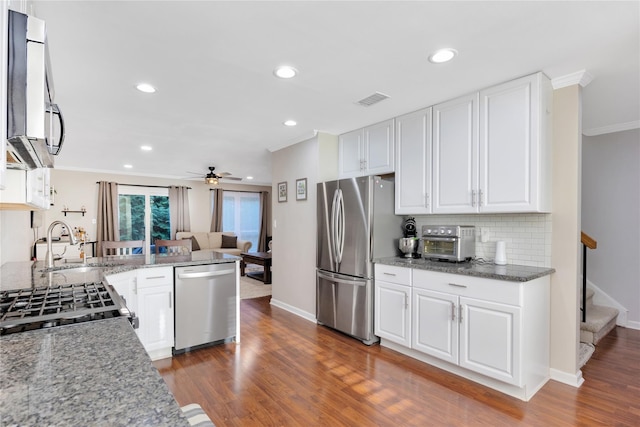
(213, 178)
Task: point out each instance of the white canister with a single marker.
(501, 253)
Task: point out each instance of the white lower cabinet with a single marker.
(149, 294)
(494, 332)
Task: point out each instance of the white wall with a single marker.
(294, 222)
(611, 215)
(76, 189)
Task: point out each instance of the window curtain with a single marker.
(179, 209)
(108, 226)
(264, 221)
(216, 217)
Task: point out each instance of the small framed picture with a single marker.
(301, 189)
(282, 192)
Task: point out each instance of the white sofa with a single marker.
(212, 241)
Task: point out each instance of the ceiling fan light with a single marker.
(211, 180)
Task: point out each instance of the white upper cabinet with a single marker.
(514, 155)
(26, 189)
(455, 155)
(367, 151)
(413, 163)
(491, 150)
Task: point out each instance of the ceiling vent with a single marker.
(372, 99)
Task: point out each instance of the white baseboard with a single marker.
(633, 325)
(295, 310)
(574, 380)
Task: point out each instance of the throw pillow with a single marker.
(229, 241)
(194, 243)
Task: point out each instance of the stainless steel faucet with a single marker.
(72, 240)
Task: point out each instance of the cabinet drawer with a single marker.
(474, 287)
(155, 276)
(392, 274)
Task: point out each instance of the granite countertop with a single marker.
(28, 274)
(93, 373)
(509, 272)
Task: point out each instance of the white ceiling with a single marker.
(219, 104)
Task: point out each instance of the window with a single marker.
(241, 215)
(143, 214)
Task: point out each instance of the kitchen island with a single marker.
(29, 274)
(90, 373)
(93, 373)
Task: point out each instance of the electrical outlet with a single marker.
(484, 235)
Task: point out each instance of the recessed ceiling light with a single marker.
(290, 123)
(285, 72)
(145, 87)
(128, 166)
(249, 177)
(443, 55)
(146, 148)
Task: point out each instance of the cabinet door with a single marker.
(155, 312)
(455, 155)
(393, 312)
(351, 154)
(379, 148)
(509, 146)
(38, 188)
(125, 286)
(435, 324)
(490, 339)
(413, 163)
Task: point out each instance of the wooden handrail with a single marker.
(588, 241)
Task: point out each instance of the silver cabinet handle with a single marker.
(155, 277)
(460, 313)
(453, 312)
(457, 285)
(170, 298)
(406, 301)
(473, 198)
(389, 274)
(426, 200)
(480, 202)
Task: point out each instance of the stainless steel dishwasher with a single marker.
(205, 299)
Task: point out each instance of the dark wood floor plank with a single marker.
(290, 372)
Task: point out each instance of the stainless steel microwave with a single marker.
(35, 127)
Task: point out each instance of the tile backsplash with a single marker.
(527, 236)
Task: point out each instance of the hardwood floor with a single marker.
(288, 371)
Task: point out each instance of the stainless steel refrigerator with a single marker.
(356, 224)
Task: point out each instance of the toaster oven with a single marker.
(455, 243)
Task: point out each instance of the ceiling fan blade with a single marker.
(221, 174)
(232, 178)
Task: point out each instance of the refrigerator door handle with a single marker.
(332, 232)
(340, 229)
(334, 278)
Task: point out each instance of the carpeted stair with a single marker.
(600, 321)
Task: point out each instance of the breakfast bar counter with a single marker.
(93, 373)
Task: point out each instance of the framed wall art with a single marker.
(282, 191)
(301, 189)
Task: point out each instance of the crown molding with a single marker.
(582, 78)
(618, 127)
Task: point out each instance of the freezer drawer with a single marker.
(345, 303)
